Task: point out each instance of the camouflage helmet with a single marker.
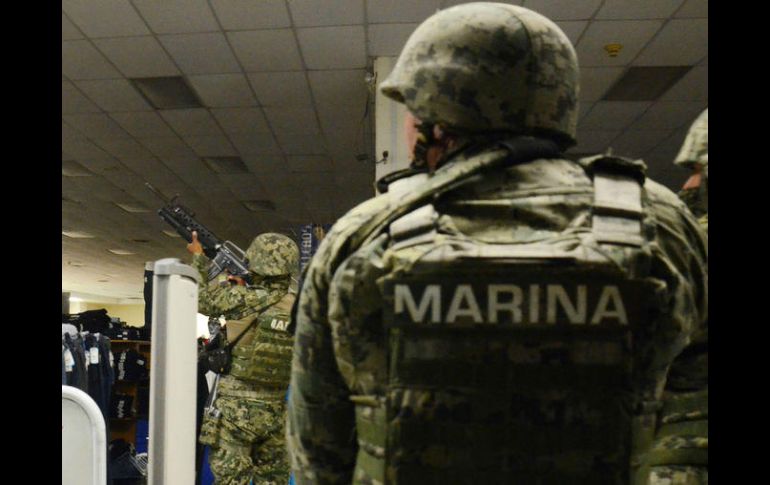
(695, 149)
(272, 254)
(481, 67)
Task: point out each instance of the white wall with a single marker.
(390, 133)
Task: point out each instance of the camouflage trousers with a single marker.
(246, 438)
(679, 454)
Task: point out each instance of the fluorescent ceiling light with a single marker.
(71, 168)
(171, 92)
(133, 208)
(77, 234)
(645, 83)
(259, 205)
(120, 252)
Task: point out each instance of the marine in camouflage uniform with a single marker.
(492, 84)
(246, 430)
(683, 436)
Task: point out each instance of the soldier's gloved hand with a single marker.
(195, 246)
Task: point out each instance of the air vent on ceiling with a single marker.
(71, 168)
(103, 281)
(167, 92)
(75, 264)
(142, 241)
(77, 234)
(133, 208)
(259, 205)
(171, 234)
(120, 252)
(226, 164)
(645, 83)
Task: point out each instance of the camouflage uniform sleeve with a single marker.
(683, 264)
(320, 422)
(215, 300)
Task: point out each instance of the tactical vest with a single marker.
(516, 363)
(263, 354)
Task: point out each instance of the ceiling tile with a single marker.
(333, 47)
(73, 101)
(593, 141)
(266, 50)
(114, 95)
(301, 144)
(241, 120)
(393, 11)
(81, 149)
(105, 18)
(680, 43)
(636, 143)
(632, 10)
(293, 120)
(223, 90)
(95, 125)
(452, 3)
(80, 60)
(339, 87)
(138, 56)
(665, 115)
(167, 147)
(211, 146)
(245, 186)
(573, 29)
(309, 163)
(694, 86)
(121, 148)
(201, 53)
(68, 29)
(693, 9)
(335, 117)
(613, 115)
(255, 144)
(632, 35)
(306, 13)
(344, 145)
(153, 171)
(595, 81)
(561, 10)
(251, 15)
(389, 39)
(177, 16)
(141, 124)
(281, 88)
(187, 122)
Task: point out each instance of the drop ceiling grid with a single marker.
(337, 122)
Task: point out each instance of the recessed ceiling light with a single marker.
(133, 208)
(120, 252)
(171, 234)
(259, 205)
(77, 234)
(71, 168)
(226, 164)
(645, 83)
(171, 92)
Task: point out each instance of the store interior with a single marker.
(265, 117)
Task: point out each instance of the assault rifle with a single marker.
(224, 255)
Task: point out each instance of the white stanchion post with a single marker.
(173, 384)
(83, 439)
